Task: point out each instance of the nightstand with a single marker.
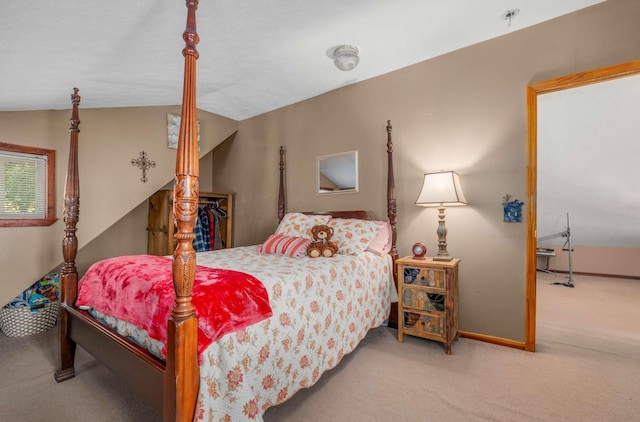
(428, 299)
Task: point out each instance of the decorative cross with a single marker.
(144, 164)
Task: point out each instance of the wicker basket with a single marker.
(18, 322)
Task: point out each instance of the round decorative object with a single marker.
(419, 250)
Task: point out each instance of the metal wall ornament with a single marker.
(144, 164)
(512, 209)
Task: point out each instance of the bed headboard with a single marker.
(363, 215)
(359, 214)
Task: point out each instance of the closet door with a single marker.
(160, 223)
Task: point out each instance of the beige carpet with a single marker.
(587, 368)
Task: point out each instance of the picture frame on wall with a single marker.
(173, 131)
(512, 209)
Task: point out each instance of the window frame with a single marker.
(50, 197)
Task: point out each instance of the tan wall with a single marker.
(110, 186)
(464, 111)
(597, 260)
(128, 236)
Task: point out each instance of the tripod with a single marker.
(566, 247)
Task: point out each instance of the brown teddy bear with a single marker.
(322, 244)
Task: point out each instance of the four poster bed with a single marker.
(219, 354)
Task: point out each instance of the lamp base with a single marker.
(443, 258)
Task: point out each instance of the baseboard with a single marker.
(627, 277)
(494, 340)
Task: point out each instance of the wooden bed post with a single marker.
(182, 375)
(69, 276)
(391, 213)
(281, 186)
(391, 192)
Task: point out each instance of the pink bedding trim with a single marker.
(381, 244)
(139, 289)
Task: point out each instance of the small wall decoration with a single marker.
(144, 164)
(173, 131)
(512, 209)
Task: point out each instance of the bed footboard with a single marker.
(141, 372)
(172, 388)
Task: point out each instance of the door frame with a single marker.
(533, 90)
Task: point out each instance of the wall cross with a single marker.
(144, 164)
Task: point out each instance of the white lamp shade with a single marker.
(441, 189)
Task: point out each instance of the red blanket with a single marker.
(139, 289)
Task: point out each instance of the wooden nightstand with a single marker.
(428, 299)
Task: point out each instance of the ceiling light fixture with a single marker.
(509, 15)
(345, 57)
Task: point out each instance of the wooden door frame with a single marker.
(533, 90)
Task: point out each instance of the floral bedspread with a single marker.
(322, 308)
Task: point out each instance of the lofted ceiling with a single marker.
(587, 152)
(255, 55)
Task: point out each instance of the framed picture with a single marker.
(512, 209)
(173, 131)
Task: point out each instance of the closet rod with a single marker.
(209, 201)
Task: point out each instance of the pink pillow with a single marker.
(285, 245)
(381, 244)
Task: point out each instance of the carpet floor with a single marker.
(586, 368)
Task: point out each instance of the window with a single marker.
(27, 186)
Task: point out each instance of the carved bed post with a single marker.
(391, 213)
(281, 186)
(391, 192)
(182, 373)
(69, 276)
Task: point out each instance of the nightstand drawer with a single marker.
(424, 324)
(425, 277)
(420, 299)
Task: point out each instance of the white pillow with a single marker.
(352, 235)
(299, 225)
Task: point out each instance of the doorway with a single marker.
(533, 90)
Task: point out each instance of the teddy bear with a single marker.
(322, 244)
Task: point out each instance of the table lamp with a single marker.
(441, 190)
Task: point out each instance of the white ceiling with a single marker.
(255, 55)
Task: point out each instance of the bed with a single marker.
(320, 308)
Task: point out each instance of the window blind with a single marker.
(23, 185)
